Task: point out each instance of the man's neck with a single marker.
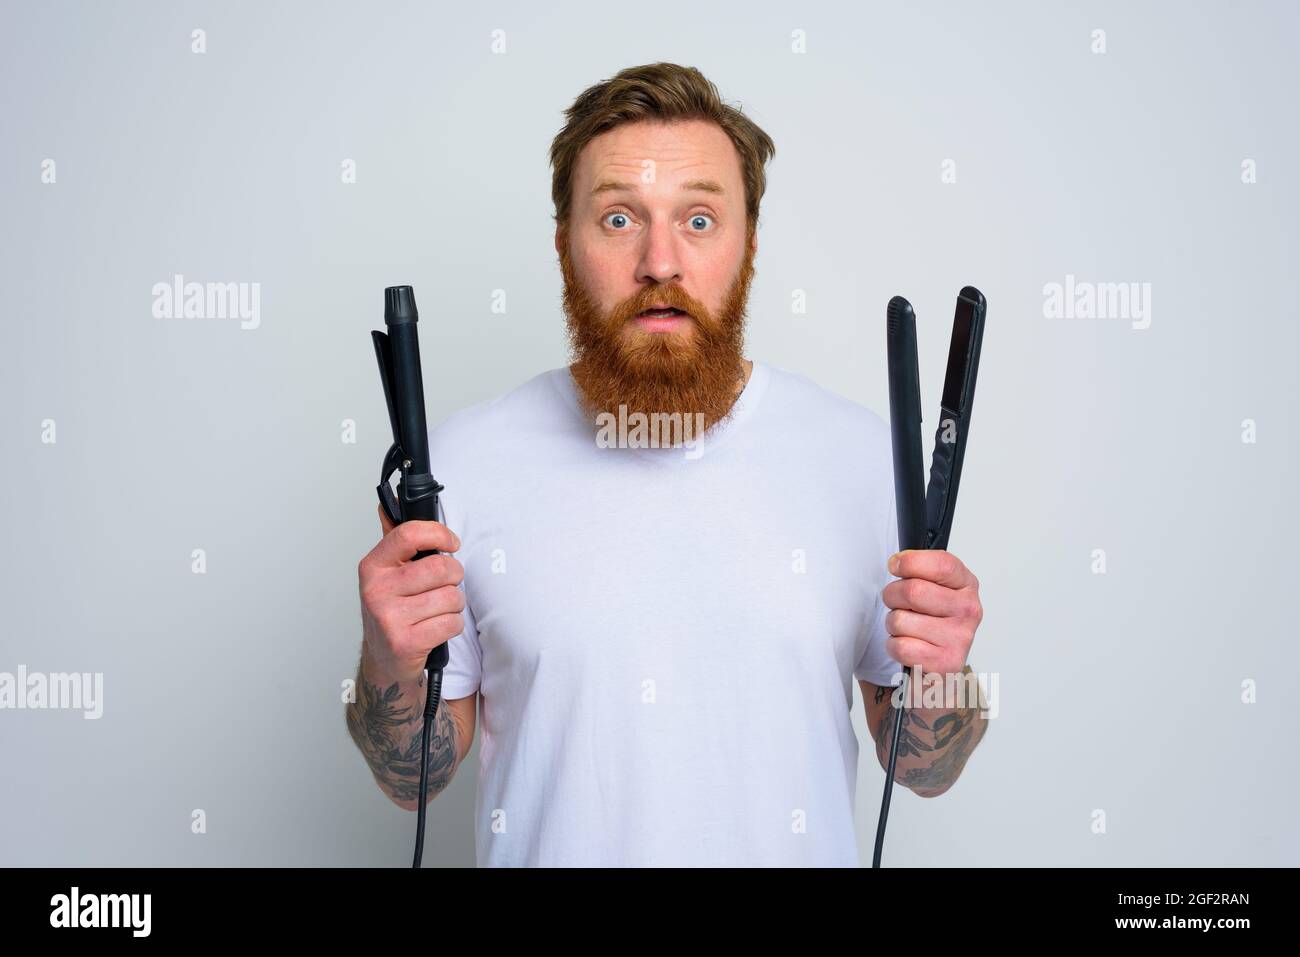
(749, 370)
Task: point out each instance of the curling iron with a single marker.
(398, 353)
(925, 513)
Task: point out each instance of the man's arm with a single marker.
(934, 744)
(408, 607)
(387, 720)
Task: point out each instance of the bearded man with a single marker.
(665, 564)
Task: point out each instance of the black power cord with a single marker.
(889, 772)
(434, 693)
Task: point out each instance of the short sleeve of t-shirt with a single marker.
(876, 665)
(464, 669)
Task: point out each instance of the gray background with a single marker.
(1119, 692)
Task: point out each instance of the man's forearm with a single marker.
(386, 722)
(934, 743)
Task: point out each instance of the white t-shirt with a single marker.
(665, 639)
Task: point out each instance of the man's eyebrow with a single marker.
(698, 185)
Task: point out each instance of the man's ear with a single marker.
(559, 239)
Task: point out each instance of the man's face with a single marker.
(658, 219)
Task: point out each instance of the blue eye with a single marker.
(619, 215)
(698, 216)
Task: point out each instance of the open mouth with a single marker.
(660, 314)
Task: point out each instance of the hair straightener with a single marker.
(398, 352)
(925, 513)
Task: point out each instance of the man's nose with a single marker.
(660, 256)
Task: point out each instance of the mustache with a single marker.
(671, 296)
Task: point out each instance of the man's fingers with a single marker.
(933, 564)
(913, 652)
(430, 572)
(917, 594)
(435, 631)
(384, 523)
(401, 544)
(911, 624)
(447, 600)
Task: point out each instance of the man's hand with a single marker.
(409, 607)
(936, 609)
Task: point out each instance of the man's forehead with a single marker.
(696, 153)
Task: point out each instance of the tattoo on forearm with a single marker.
(389, 737)
(948, 743)
(945, 768)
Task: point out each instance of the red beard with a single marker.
(695, 370)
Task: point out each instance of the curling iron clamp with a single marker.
(925, 513)
(398, 353)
